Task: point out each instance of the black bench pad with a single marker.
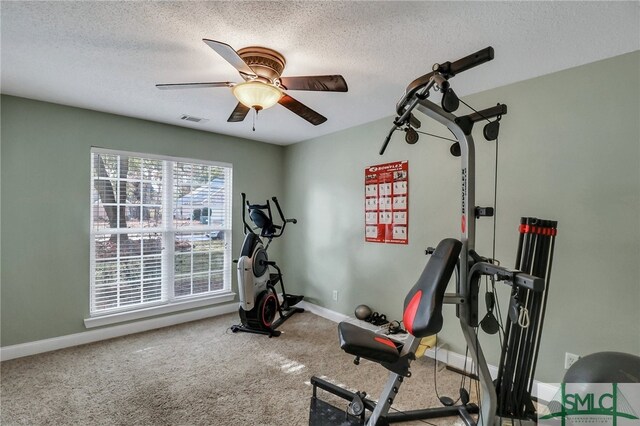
(422, 315)
(366, 343)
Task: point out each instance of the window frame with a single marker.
(167, 230)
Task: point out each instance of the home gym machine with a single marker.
(422, 314)
(259, 302)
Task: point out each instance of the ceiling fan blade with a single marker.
(239, 113)
(302, 110)
(230, 55)
(319, 83)
(194, 85)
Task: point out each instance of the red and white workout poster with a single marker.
(386, 203)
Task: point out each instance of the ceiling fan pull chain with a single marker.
(255, 115)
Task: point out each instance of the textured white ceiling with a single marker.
(107, 56)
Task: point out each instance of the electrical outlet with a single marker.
(569, 359)
(335, 295)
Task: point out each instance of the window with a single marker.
(160, 231)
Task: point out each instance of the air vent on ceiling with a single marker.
(193, 119)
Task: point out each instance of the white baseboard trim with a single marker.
(61, 342)
(543, 391)
(322, 311)
(442, 353)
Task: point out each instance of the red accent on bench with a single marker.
(411, 311)
(385, 341)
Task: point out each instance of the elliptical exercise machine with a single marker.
(259, 302)
(422, 315)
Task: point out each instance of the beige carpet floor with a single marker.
(199, 373)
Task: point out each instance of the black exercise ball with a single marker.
(605, 367)
(363, 312)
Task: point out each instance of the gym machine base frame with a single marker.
(321, 413)
(271, 331)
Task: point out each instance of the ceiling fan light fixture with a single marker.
(257, 95)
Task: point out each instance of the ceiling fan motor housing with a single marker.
(266, 63)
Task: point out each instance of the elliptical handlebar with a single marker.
(246, 229)
(247, 206)
(284, 220)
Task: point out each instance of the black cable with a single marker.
(495, 220)
(435, 136)
(477, 368)
(501, 334)
(498, 314)
(474, 110)
(464, 368)
(495, 202)
(435, 376)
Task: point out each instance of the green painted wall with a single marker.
(569, 150)
(45, 202)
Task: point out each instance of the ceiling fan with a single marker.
(263, 86)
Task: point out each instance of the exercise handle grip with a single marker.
(471, 61)
(386, 141)
(246, 229)
(275, 200)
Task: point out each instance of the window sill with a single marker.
(99, 321)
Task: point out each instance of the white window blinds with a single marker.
(160, 230)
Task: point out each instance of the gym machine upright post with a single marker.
(422, 307)
(416, 96)
(259, 302)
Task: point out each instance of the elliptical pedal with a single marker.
(291, 300)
